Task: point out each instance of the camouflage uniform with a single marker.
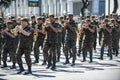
(38, 43)
(24, 47)
(88, 43)
(2, 26)
(100, 36)
(0, 46)
(107, 41)
(63, 35)
(95, 33)
(9, 47)
(115, 39)
(50, 44)
(70, 42)
(59, 44)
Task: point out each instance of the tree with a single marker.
(115, 6)
(85, 5)
(4, 4)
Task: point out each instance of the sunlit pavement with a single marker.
(98, 70)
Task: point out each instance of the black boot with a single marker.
(53, 67)
(44, 62)
(36, 61)
(21, 69)
(73, 63)
(4, 65)
(29, 71)
(67, 61)
(116, 53)
(13, 66)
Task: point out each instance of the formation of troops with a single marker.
(52, 34)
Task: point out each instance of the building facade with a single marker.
(60, 7)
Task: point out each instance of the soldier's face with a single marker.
(39, 21)
(70, 17)
(9, 26)
(87, 23)
(51, 19)
(33, 20)
(24, 23)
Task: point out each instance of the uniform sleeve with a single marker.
(29, 29)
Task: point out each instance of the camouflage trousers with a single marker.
(115, 46)
(22, 51)
(49, 52)
(70, 45)
(100, 37)
(108, 43)
(11, 52)
(58, 51)
(0, 52)
(36, 49)
(87, 46)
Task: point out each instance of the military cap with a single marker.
(61, 17)
(92, 16)
(56, 18)
(32, 16)
(88, 20)
(70, 15)
(88, 16)
(51, 15)
(39, 18)
(106, 20)
(106, 16)
(24, 19)
(9, 22)
(13, 20)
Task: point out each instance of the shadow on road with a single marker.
(42, 76)
(1, 76)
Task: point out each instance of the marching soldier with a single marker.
(100, 21)
(107, 39)
(115, 37)
(95, 24)
(51, 42)
(39, 38)
(33, 26)
(1, 28)
(88, 40)
(25, 36)
(80, 36)
(59, 41)
(9, 45)
(70, 42)
(62, 23)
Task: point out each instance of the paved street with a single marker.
(98, 70)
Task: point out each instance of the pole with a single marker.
(15, 9)
(40, 1)
(108, 7)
